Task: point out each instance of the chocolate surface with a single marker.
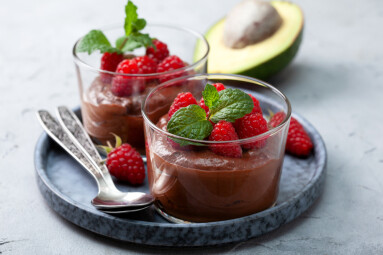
(104, 113)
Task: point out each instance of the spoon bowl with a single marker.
(122, 200)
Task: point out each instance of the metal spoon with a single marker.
(109, 197)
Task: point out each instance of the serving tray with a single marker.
(68, 190)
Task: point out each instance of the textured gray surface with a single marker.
(335, 82)
(302, 182)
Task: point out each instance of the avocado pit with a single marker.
(249, 22)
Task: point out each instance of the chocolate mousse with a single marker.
(197, 185)
(104, 113)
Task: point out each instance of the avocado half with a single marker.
(262, 59)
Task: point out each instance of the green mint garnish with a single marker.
(133, 38)
(190, 122)
(131, 42)
(210, 95)
(234, 104)
(95, 40)
(132, 23)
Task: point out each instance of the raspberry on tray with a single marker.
(124, 162)
(298, 141)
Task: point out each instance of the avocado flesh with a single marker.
(262, 59)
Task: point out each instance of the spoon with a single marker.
(109, 198)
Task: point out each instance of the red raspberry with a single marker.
(224, 131)
(277, 119)
(219, 87)
(251, 125)
(109, 62)
(257, 107)
(127, 86)
(126, 164)
(159, 53)
(298, 141)
(146, 64)
(182, 100)
(203, 106)
(168, 64)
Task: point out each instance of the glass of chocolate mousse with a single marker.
(206, 180)
(107, 108)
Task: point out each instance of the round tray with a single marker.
(68, 190)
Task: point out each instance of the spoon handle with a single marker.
(56, 132)
(76, 132)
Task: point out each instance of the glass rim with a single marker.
(269, 133)
(200, 36)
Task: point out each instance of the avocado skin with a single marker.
(275, 64)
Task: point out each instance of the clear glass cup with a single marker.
(104, 113)
(192, 183)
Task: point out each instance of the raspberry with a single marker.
(159, 53)
(257, 107)
(203, 106)
(277, 119)
(219, 87)
(168, 64)
(126, 164)
(125, 85)
(146, 64)
(182, 100)
(224, 131)
(251, 125)
(109, 62)
(298, 141)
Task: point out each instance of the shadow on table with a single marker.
(312, 82)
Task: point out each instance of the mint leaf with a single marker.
(125, 43)
(132, 23)
(190, 122)
(144, 39)
(234, 104)
(95, 40)
(210, 95)
(130, 18)
(139, 24)
(132, 42)
(133, 38)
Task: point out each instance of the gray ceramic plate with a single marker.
(68, 190)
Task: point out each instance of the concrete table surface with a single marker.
(336, 82)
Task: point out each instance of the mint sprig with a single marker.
(192, 122)
(95, 40)
(210, 95)
(133, 38)
(233, 104)
(132, 23)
